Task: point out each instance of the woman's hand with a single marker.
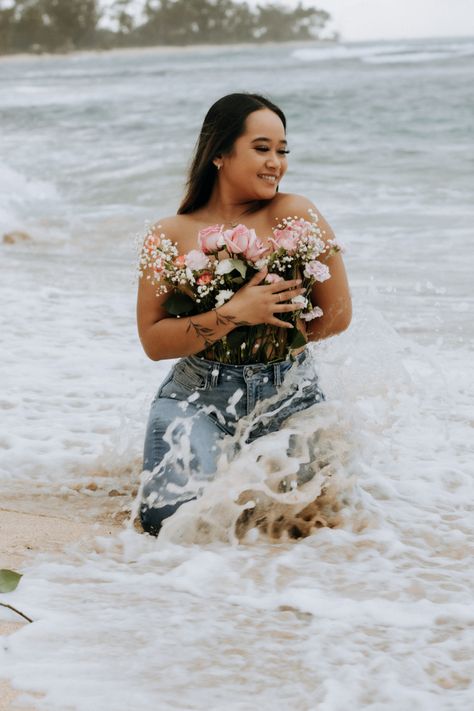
(257, 303)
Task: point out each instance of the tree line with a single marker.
(66, 25)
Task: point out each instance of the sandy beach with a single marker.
(25, 535)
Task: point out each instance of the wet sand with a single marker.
(24, 535)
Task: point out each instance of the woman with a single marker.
(239, 161)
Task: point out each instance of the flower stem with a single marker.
(10, 607)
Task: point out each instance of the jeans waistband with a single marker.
(273, 371)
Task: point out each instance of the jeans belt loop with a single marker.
(276, 374)
(215, 374)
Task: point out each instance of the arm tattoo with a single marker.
(224, 320)
(208, 335)
(201, 331)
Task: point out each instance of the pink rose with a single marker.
(273, 278)
(237, 239)
(241, 240)
(317, 271)
(210, 239)
(255, 249)
(196, 260)
(285, 239)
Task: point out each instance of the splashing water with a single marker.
(282, 485)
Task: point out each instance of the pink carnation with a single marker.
(210, 239)
(204, 278)
(315, 312)
(317, 270)
(273, 278)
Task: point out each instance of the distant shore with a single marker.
(166, 49)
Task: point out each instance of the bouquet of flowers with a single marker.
(201, 280)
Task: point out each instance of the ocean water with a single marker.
(373, 610)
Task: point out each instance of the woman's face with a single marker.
(258, 160)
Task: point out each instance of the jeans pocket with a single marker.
(164, 383)
(185, 375)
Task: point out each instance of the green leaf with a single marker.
(8, 580)
(297, 338)
(239, 266)
(178, 304)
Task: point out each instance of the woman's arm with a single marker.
(333, 295)
(164, 337)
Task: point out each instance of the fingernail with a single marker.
(298, 281)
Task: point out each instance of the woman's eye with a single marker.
(265, 149)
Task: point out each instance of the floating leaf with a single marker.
(178, 304)
(9, 580)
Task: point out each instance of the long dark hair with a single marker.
(223, 124)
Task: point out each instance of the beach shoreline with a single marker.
(166, 49)
(236, 46)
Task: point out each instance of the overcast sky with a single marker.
(390, 19)
(387, 19)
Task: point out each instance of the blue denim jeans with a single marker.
(198, 403)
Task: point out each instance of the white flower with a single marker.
(260, 263)
(223, 296)
(314, 313)
(196, 260)
(300, 299)
(224, 266)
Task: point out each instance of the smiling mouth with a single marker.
(272, 179)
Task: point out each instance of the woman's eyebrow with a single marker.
(263, 138)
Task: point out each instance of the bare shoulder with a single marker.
(170, 226)
(294, 205)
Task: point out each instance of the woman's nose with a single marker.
(273, 160)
